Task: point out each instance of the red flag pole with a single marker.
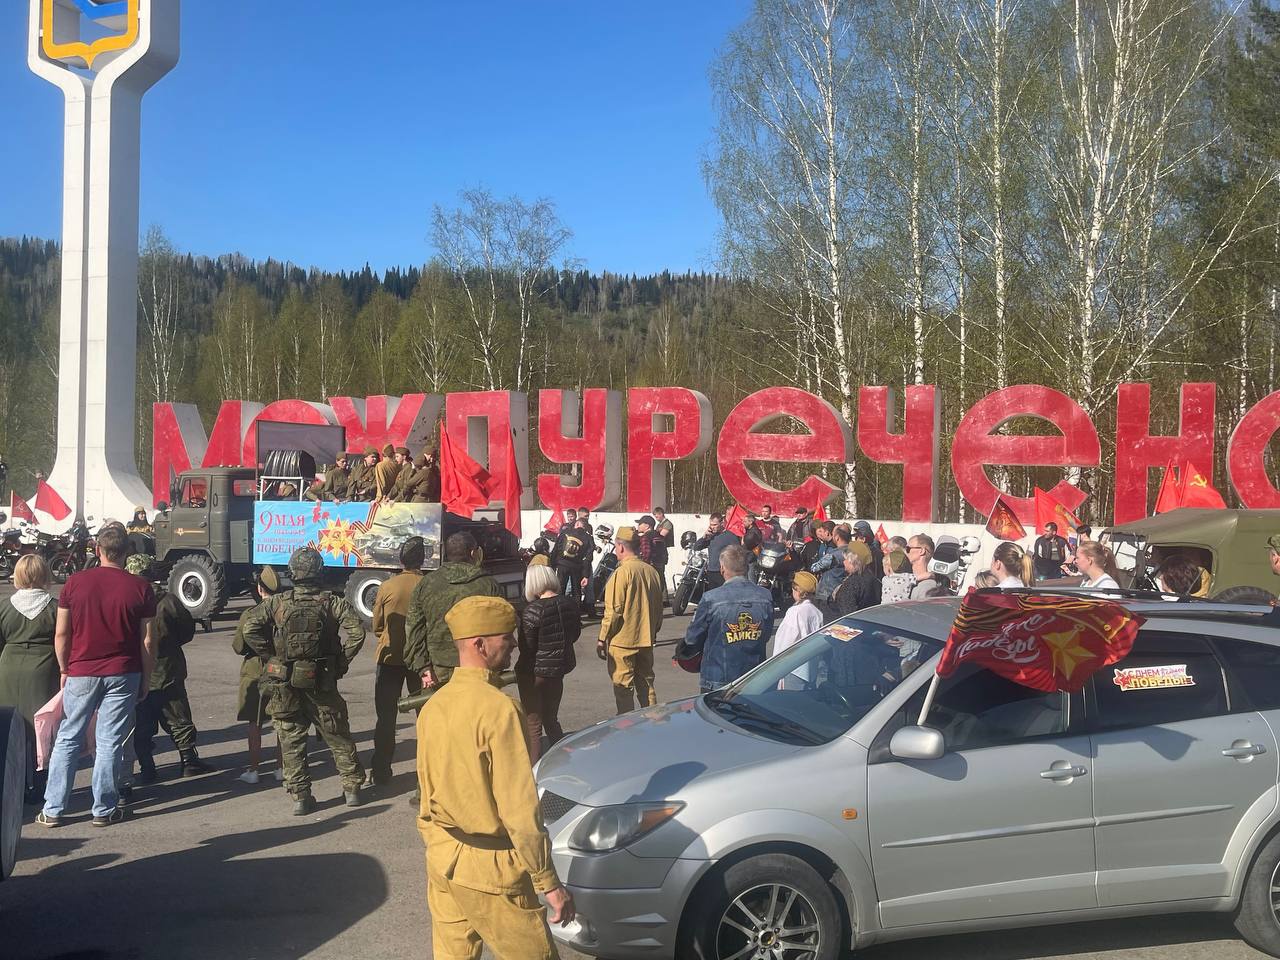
(928, 699)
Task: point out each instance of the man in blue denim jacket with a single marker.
(732, 626)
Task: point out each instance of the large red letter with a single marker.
(1137, 450)
(976, 446)
(1247, 454)
(596, 445)
(742, 439)
(400, 421)
(916, 448)
(647, 446)
(484, 423)
(178, 440)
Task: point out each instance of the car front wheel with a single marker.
(1258, 917)
(770, 907)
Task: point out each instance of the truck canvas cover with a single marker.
(346, 534)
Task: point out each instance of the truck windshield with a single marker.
(815, 691)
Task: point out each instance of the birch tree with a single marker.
(160, 302)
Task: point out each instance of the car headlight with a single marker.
(611, 828)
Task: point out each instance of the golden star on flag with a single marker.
(1068, 653)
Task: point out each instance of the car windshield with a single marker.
(815, 691)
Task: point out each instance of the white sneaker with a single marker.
(279, 774)
(249, 776)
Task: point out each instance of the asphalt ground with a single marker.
(212, 868)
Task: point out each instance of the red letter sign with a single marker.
(1137, 450)
(596, 445)
(483, 423)
(916, 448)
(1247, 454)
(741, 439)
(647, 446)
(400, 421)
(976, 446)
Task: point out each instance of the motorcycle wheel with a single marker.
(680, 602)
(61, 567)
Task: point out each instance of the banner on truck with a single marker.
(346, 534)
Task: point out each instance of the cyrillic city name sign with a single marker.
(664, 424)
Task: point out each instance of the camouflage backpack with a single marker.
(303, 628)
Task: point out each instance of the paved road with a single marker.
(211, 868)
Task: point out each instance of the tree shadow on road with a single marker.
(225, 897)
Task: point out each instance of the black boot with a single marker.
(303, 803)
(192, 765)
(146, 769)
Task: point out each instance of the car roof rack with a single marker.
(1153, 601)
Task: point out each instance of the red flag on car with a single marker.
(1044, 642)
(48, 501)
(1003, 523)
(554, 522)
(1049, 509)
(463, 482)
(1168, 496)
(1195, 489)
(19, 510)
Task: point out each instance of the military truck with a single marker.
(218, 529)
(1230, 544)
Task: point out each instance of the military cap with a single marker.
(805, 582)
(305, 564)
(626, 534)
(1273, 542)
(139, 564)
(480, 617)
(388, 451)
(898, 561)
(269, 580)
(343, 456)
(539, 560)
(863, 552)
(403, 451)
(370, 452)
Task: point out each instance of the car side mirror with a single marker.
(917, 743)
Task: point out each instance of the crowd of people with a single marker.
(389, 475)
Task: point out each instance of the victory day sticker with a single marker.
(1153, 678)
(840, 632)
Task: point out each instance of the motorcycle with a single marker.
(693, 578)
(18, 541)
(774, 574)
(75, 551)
(604, 568)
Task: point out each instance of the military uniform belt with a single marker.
(483, 841)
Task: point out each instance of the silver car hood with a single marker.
(638, 756)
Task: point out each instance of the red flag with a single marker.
(1044, 642)
(1003, 523)
(463, 482)
(47, 500)
(882, 538)
(820, 513)
(513, 490)
(735, 520)
(1167, 498)
(554, 522)
(1051, 510)
(1195, 490)
(19, 510)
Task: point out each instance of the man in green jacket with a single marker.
(429, 650)
(336, 481)
(166, 703)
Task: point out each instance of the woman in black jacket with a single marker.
(549, 627)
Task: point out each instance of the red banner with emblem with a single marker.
(1044, 642)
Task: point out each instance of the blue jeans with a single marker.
(114, 698)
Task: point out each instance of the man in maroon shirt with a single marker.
(106, 653)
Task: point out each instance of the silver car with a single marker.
(800, 812)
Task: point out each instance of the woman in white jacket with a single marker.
(802, 618)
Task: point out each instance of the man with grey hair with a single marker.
(732, 625)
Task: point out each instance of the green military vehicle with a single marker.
(1230, 544)
(223, 523)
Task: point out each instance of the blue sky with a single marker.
(325, 138)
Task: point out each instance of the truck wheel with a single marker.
(774, 905)
(680, 602)
(201, 586)
(362, 590)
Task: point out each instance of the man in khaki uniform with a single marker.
(334, 485)
(362, 484)
(488, 854)
(632, 619)
(385, 473)
(404, 479)
(391, 675)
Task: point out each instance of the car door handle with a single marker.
(203, 524)
(1240, 749)
(1062, 770)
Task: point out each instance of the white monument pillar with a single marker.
(103, 55)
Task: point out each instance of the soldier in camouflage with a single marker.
(429, 649)
(308, 638)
